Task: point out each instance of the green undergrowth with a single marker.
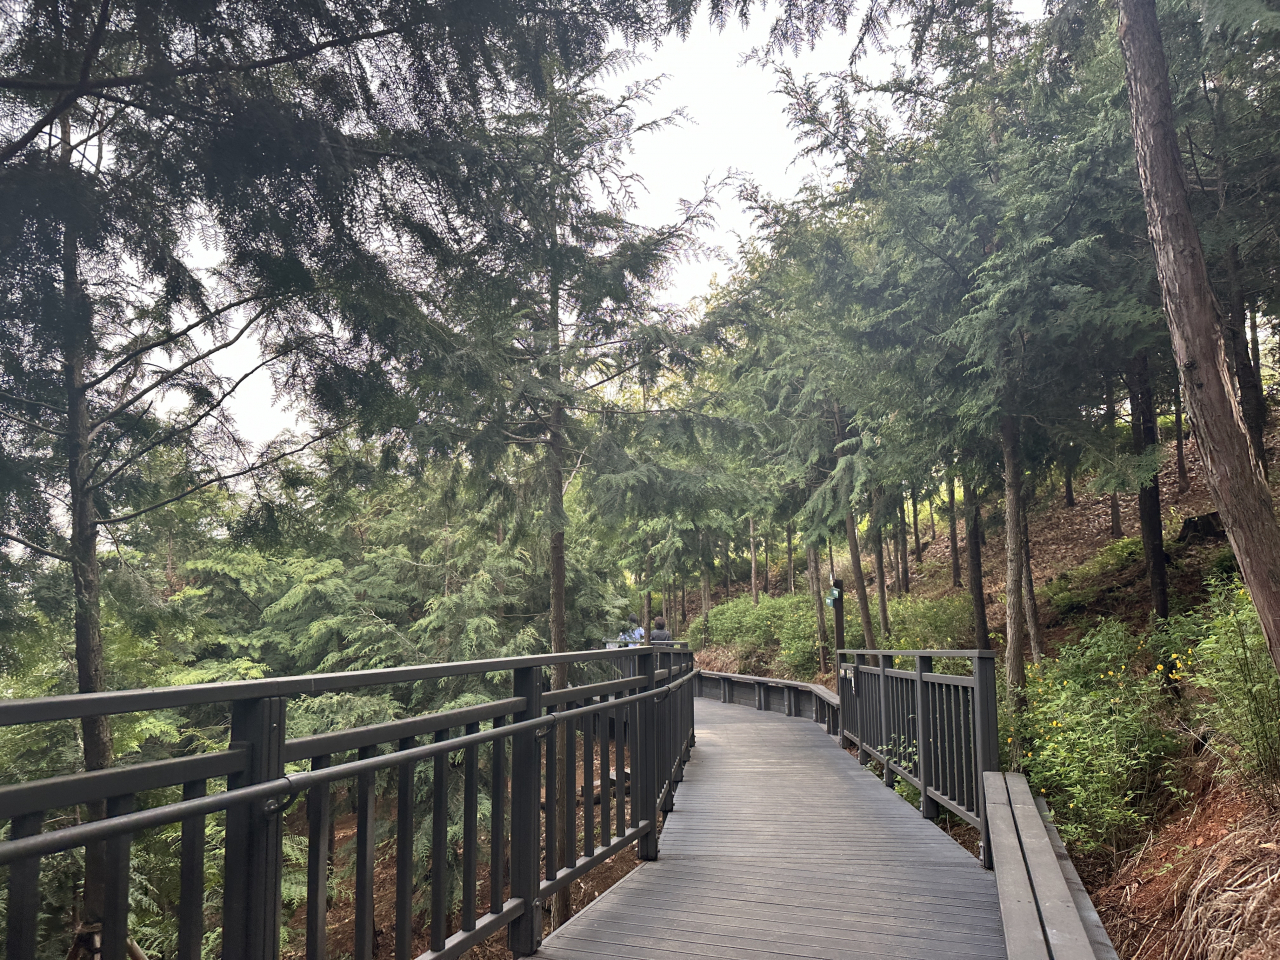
(1111, 722)
(780, 636)
(1073, 591)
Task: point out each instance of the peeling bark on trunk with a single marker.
(1253, 406)
(973, 550)
(1015, 618)
(859, 581)
(1234, 474)
(952, 532)
(1143, 426)
(1029, 594)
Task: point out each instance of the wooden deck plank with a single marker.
(781, 846)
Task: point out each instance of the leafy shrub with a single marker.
(787, 624)
(1073, 590)
(1232, 662)
(920, 624)
(1093, 741)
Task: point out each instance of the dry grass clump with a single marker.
(1232, 908)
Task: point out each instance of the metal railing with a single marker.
(936, 731)
(646, 714)
(790, 697)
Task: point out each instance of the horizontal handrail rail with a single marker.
(73, 706)
(537, 745)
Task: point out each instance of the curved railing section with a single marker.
(937, 730)
(507, 747)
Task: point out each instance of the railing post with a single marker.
(860, 708)
(644, 793)
(986, 735)
(525, 932)
(924, 739)
(254, 837)
(889, 776)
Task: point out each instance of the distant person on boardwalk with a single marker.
(660, 633)
(634, 633)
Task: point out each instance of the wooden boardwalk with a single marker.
(781, 846)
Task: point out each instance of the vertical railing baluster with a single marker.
(886, 731)
(526, 930)
(610, 722)
(440, 846)
(589, 781)
(971, 774)
(497, 817)
(191, 878)
(924, 737)
(24, 892)
(115, 915)
(470, 827)
(644, 790)
(570, 787)
(405, 796)
(550, 801)
(632, 727)
(319, 820)
(366, 849)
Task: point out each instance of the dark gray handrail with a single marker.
(647, 715)
(75, 705)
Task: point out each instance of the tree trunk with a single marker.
(1253, 407)
(859, 581)
(1069, 472)
(1117, 531)
(1234, 474)
(973, 548)
(755, 583)
(1143, 427)
(765, 544)
(1029, 594)
(933, 529)
(1184, 481)
(728, 571)
(877, 544)
(813, 574)
(706, 603)
(560, 906)
(904, 551)
(647, 622)
(791, 559)
(1015, 618)
(952, 532)
(915, 523)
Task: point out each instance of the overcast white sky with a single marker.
(736, 123)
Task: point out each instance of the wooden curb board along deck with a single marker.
(782, 846)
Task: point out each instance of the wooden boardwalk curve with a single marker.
(782, 846)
